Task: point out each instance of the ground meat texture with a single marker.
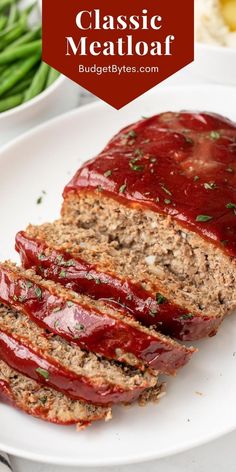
(164, 188)
(52, 360)
(45, 403)
(132, 275)
(176, 164)
(90, 324)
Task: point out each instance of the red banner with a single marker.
(118, 50)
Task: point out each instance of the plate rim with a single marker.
(142, 457)
(116, 461)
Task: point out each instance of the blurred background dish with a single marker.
(61, 96)
(30, 90)
(215, 29)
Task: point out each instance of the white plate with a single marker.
(200, 404)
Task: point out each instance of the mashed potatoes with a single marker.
(210, 24)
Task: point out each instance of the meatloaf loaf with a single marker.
(90, 324)
(44, 402)
(53, 361)
(165, 189)
(117, 276)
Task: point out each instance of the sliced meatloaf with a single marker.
(53, 361)
(118, 276)
(164, 190)
(91, 324)
(45, 403)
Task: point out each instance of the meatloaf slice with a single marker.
(56, 363)
(165, 189)
(90, 324)
(118, 276)
(44, 402)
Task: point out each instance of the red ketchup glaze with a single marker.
(21, 357)
(87, 327)
(5, 393)
(83, 277)
(180, 164)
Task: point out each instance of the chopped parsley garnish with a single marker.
(108, 173)
(132, 134)
(214, 135)
(62, 274)
(29, 284)
(203, 218)
(209, 185)
(38, 292)
(122, 188)
(58, 308)
(188, 139)
(56, 324)
(39, 200)
(44, 373)
(69, 303)
(152, 312)
(70, 263)
(160, 298)
(135, 159)
(188, 316)
(166, 190)
(60, 259)
(136, 167)
(96, 279)
(41, 256)
(138, 152)
(22, 298)
(231, 205)
(196, 178)
(43, 400)
(167, 202)
(79, 327)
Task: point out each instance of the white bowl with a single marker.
(216, 63)
(61, 96)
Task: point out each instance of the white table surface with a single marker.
(213, 457)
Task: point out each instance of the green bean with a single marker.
(8, 70)
(13, 15)
(38, 82)
(26, 38)
(24, 67)
(52, 76)
(12, 33)
(18, 88)
(3, 22)
(5, 3)
(29, 9)
(10, 102)
(2, 68)
(22, 51)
